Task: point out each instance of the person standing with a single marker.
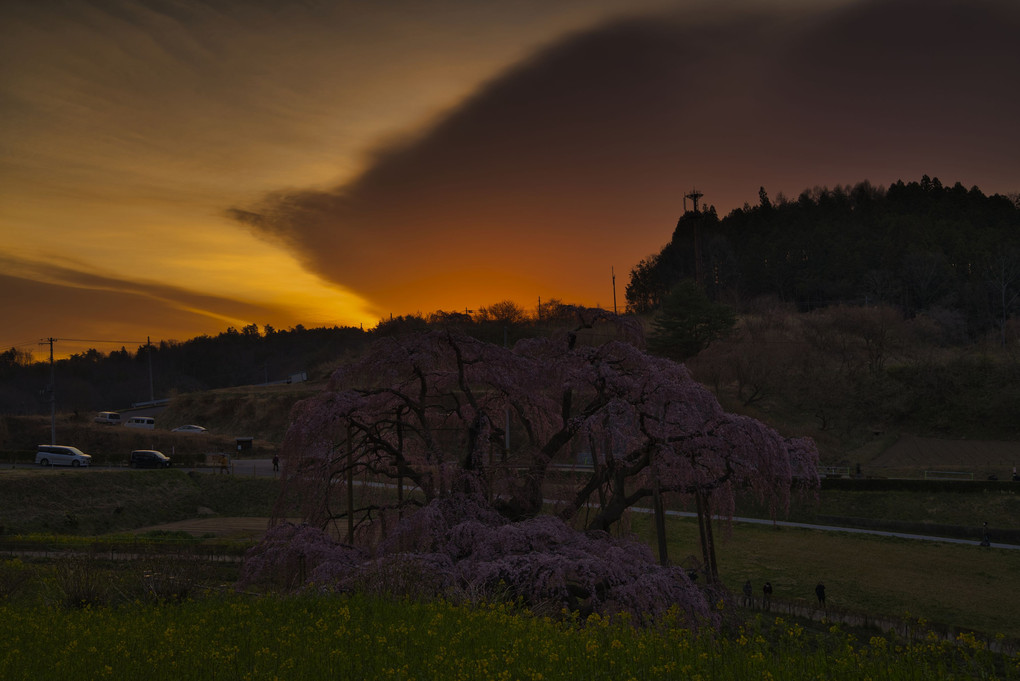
(276, 462)
(766, 602)
(820, 592)
(748, 601)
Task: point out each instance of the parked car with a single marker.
(110, 418)
(190, 428)
(146, 422)
(148, 458)
(61, 455)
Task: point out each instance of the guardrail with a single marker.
(948, 475)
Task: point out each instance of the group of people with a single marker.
(766, 601)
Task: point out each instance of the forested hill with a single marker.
(919, 246)
(93, 380)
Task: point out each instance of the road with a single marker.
(264, 468)
(248, 467)
(852, 530)
(259, 467)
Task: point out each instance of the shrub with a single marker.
(79, 584)
(459, 547)
(14, 575)
(168, 578)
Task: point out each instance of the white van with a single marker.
(61, 455)
(110, 418)
(146, 422)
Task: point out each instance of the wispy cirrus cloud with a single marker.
(68, 302)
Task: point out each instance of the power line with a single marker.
(18, 345)
(53, 387)
(86, 340)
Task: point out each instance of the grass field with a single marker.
(998, 509)
(959, 585)
(91, 502)
(963, 586)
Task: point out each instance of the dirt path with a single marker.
(226, 528)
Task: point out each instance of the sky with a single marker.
(172, 168)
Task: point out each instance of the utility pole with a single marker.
(148, 351)
(613, 271)
(53, 393)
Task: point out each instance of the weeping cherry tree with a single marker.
(423, 420)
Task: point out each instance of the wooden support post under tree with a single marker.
(350, 487)
(705, 530)
(400, 496)
(660, 523)
(714, 565)
(660, 513)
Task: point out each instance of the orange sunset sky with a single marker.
(170, 168)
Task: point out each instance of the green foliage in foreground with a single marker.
(319, 637)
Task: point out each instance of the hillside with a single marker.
(257, 412)
(262, 412)
(816, 374)
(110, 445)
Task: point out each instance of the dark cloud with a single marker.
(578, 159)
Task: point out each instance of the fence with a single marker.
(906, 628)
(127, 549)
(834, 471)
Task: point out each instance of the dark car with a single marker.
(148, 458)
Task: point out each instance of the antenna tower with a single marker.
(694, 196)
